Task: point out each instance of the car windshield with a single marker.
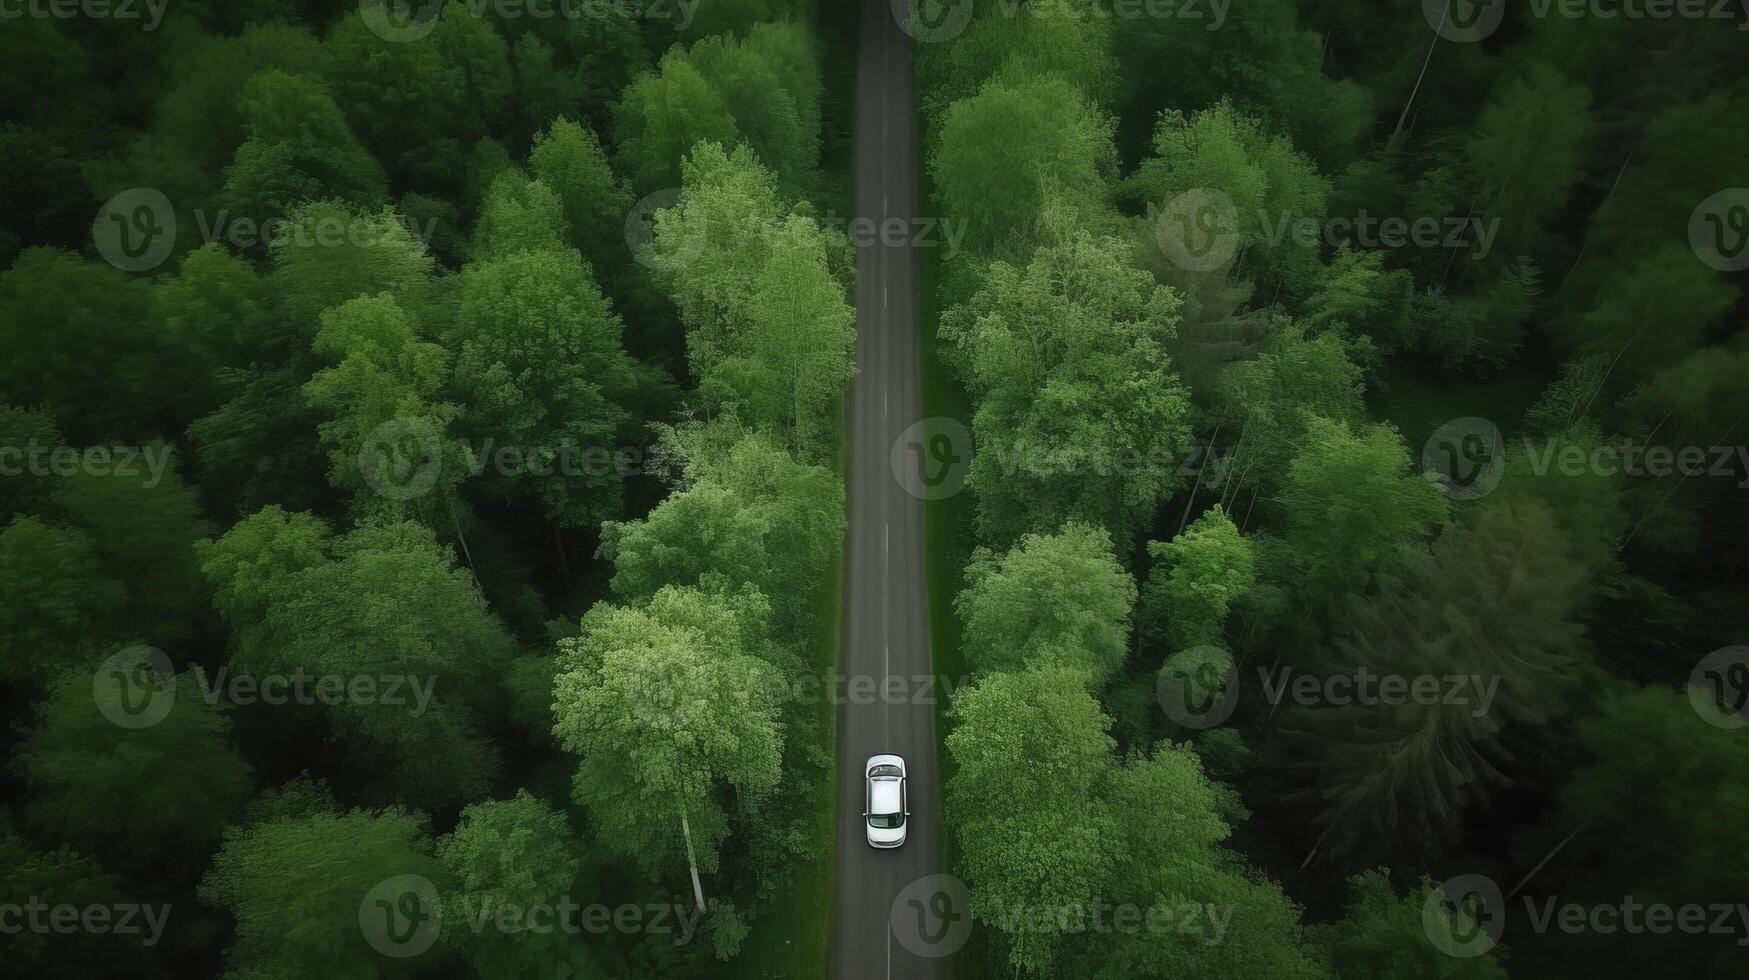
(886, 821)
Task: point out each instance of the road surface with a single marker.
(886, 598)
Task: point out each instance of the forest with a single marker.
(1358, 491)
(434, 408)
(423, 485)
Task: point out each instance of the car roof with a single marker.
(885, 797)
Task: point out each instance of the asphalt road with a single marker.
(886, 640)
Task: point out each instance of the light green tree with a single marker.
(518, 215)
(1078, 415)
(568, 158)
(1356, 513)
(1054, 600)
(1001, 153)
(510, 857)
(389, 438)
(769, 325)
(746, 513)
(295, 885)
(763, 90)
(1039, 729)
(672, 706)
(1195, 579)
(1271, 187)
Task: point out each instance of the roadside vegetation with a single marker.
(1208, 399)
(423, 486)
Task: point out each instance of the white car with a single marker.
(884, 807)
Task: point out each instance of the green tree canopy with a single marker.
(769, 325)
(539, 371)
(139, 798)
(417, 105)
(1271, 185)
(298, 149)
(1499, 607)
(1383, 935)
(763, 90)
(1357, 512)
(55, 600)
(999, 154)
(568, 158)
(1079, 415)
(388, 602)
(55, 308)
(747, 513)
(1195, 579)
(1042, 729)
(507, 856)
(390, 441)
(295, 885)
(1056, 600)
(673, 708)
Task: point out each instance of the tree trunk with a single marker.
(697, 889)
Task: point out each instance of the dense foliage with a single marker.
(1211, 498)
(355, 564)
